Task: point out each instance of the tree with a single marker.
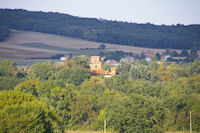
(102, 46)
(82, 113)
(174, 53)
(113, 83)
(30, 87)
(174, 71)
(61, 100)
(7, 68)
(193, 54)
(138, 71)
(44, 90)
(167, 51)
(184, 53)
(194, 67)
(162, 70)
(196, 45)
(4, 32)
(143, 56)
(28, 117)
(69, 63)
(42, 71)
(81, 61)
(193, 102)
(92, 86)
(10, 76)
(9, 83)
(70, 55)
(21, 73)
(136, 114)
(100, 120)
(152, 71)
(158, 56)
(20, 112)
(116, 55)
(10, 97)
(124, 69)
(75, 75)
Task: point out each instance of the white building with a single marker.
(63, 58)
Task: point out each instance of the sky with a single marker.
(157, 12)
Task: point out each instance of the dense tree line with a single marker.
(4, 32)
(143, 97)
(133, 34)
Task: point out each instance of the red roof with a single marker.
(100, 71)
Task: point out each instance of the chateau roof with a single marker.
(100, 71)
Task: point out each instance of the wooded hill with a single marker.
(100, 30)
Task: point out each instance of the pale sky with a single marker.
(139, 11)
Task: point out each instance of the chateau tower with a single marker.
(113, 71)
(95, 63)
(95, 67)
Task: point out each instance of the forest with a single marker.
(4, 33)
(147, 97)
(104, 31)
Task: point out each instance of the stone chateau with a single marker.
(95, 68)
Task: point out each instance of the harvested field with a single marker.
(17, 53)
(26, 44)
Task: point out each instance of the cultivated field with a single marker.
(25, 37)
(40, 43)
(26, 45)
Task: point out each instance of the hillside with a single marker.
(26, 44)
(123, 33)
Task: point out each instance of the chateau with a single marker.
(95, 68)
